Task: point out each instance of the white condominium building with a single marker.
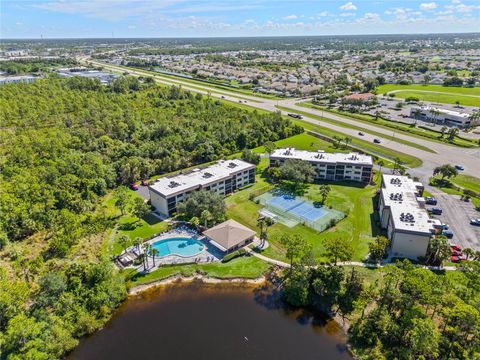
(443, 116)
(402, 212)
(333, 167)
(223, 177)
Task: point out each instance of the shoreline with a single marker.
(138, 289)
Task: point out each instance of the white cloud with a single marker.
(428, 6)
(456, 1)
(323, 14)
(349, 6)
(290, 17)
(346, 14)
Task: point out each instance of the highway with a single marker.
(469, 158)
(457, 213)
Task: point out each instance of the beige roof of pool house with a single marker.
(228, 234)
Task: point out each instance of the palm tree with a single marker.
(145, 248)
(443, 130)
(469, 253)
(416, 115)
(324, 190)
(474, 117)
(434, 113)
(205, 217)
(136, 242)
(123, 239)
(438, 249)
(262, 224)
(380, 163)
(452, 133)
(154, 252)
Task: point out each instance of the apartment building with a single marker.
(332, 167)
(223, 177)
(403, 214)
(443, 116)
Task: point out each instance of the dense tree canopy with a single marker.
(65, 142)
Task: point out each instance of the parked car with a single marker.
(456, 248)
(429, 200)
(133, 186)
(459, 167)
(435, 211)
(223, 97)
(361, 133)
(376, 141)
(448, 233)
(144, 183)
(456, 259)
(475, 222)
(444, 226)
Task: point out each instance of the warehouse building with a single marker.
(403, 214)
(332, 167)
(223, 177)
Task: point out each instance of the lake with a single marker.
(210, 321)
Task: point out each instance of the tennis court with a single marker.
(292, 210)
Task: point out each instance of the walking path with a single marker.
(346, 263)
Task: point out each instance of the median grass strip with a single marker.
(417, 132)
(467, 182)
(434, 93)
(358, 128)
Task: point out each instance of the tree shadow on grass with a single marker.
(151, 219)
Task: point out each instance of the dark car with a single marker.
(435, 211)
(459, 167)
(376, 141)
(361, 133)
(448, 233)
(295, 116)
(133, 186)
(475, 222)
(430, 200)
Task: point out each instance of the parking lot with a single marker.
(457, 214)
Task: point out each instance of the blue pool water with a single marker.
(182, 246)
(296, 207)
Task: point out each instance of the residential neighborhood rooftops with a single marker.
(320, 156)
(358, 96)
(199, 177)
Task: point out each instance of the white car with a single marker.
(475, 222)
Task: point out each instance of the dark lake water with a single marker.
(204, 321)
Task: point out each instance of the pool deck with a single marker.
(209, 254)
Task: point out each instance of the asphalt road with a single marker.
(456, 213)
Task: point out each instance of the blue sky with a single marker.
(186, 18)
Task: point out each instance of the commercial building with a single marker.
(17, 79)
(229, 236)
(403, 214)
(104, 77)
(443, 116)
(332, 167)
(223, 177)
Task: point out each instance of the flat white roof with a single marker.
(400, 194)
(199, 177)
(446, 111)
(320, 156)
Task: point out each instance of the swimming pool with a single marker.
(181, 246)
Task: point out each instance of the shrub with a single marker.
(233, 255)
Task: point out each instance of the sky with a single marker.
(211, 18)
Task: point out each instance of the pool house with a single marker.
(229, 236)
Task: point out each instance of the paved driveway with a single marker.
(457, 214)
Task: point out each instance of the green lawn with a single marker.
(351, 198)
(439, 93)
(397, 126)
(248, 267)
(467, 182)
